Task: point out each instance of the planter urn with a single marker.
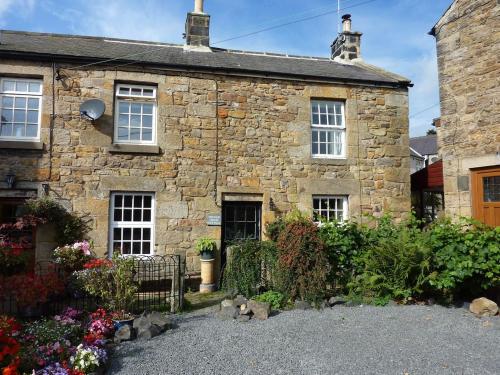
(207, 273)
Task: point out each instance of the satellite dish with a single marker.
(92, 109)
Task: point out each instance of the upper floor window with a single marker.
(135, 119)
(20, 109)
(330, 208)
(328, 129)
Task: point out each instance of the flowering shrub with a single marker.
(71, 343)
(88, 358)
(9, 346)
(73, 257)
(13, 257)
(31, 289)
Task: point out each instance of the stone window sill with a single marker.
(134, 149)
(328, 161)
(22, 145)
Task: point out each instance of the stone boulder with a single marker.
(302, 305)
(124, 333)
(227, 313)
(239, 301)
(149, 332)
(160, 320)
(260, 310)
(483, 307)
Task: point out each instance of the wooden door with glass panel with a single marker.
(486, 195)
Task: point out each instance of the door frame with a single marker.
(477, 189)
(256, 204)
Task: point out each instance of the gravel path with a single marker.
(343, 340)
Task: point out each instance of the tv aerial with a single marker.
(92, 109)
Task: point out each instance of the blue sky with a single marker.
(394, 31)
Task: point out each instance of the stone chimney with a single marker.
(347, 46)
(198, 27)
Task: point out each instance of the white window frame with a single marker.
(345, 206)
(132, 224)
(140, 99)
(319, 126)
(23, 94)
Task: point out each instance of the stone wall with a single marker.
(262, 130)
(468, 46)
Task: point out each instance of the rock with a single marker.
(302, 305)
(243, 307)
(148, 333)
(260, 310)
(160, 320)
(337, 300)
(483, 307)
(243, 318)
(124, 333)
(239, 301)
(142, 322)
(226, 303)
(245, 311)
(228, 313)
(352, 304)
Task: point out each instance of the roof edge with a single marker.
(401, 79)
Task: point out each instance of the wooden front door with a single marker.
(486, 195)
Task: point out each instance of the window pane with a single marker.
(136, 92)
(33, 103)
(31, 130)
(340, 204)
(117, 234)
(128, 201)
(315, 204)
(135, 108)
(34, 87)
(146, 248)
(136, 234)
(127, 233)
(315, 119)
(135, 134)
(146, 215)
(123, 120)
(315, 148)
(323, 120)
(147, 121)
(136, 248)
(135, 120)
(19, 115)
(32, 117)
(22, 86)
(9, 86)
(147, 109)
(126, 248)
(322, 136)
(146, 234)
(7, 102)
(124, 91)
(118, 200)
(19, 130)
(147, 92)
(137, 215)
(240, 214)
(123, 107)
(147, 201)
(122, 133)
(339, 121)
(322, 148)
(117, 215)
(7, 115)
(20, 103)
(147, 135)
(6, 129)
(324, 204)
(127, 215)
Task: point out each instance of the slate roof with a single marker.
(426, 145)
(84, 49)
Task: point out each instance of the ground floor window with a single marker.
(132, 223)
(330, 208)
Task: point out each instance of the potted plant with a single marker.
(206, 248)
(112, 281)
(73, 257)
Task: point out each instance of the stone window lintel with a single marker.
(22, 145)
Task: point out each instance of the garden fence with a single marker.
(160, 280)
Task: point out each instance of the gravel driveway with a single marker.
(341, 340)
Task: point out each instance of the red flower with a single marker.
(98, 263)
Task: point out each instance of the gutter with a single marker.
(218, 71)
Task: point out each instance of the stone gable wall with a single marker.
(468, 50)
(263, 134)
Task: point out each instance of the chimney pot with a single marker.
(346, 22)
(198, 6)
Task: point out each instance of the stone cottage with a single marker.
(468, 46)
(198, 141)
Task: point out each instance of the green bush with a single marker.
(302, 261)
(276, 299)
(250, 267)
(466, 257)
(344, 242)
(396, 267)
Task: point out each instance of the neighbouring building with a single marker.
(468, 46)
(424, 151)
(198, 141)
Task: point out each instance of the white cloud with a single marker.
(25, 8)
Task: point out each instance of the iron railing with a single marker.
(160, 282)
